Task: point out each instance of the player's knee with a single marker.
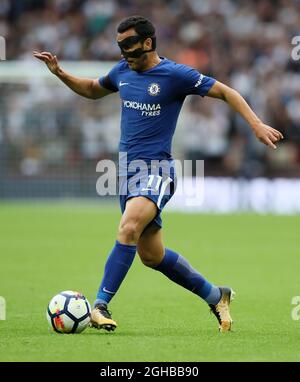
(129, 232)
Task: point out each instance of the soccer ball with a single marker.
(68, 312)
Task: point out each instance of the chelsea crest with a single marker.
(154, 89)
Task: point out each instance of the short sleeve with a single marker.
(110, 81)
(191, 81)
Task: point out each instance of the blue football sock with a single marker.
(178, 269)
(116, 268)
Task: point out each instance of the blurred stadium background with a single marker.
(51, 139)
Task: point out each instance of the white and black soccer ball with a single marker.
(68, 312)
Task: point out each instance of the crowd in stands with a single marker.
(246, 44)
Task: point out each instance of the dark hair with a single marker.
(140, 24)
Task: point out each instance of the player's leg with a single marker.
(153, 254)
(139, 211)
(150, 246)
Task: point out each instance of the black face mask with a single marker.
(128, 42)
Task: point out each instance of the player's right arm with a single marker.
(86, 87)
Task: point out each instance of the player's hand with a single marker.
(267, 135)
(49, 60)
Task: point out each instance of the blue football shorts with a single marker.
(156, 182)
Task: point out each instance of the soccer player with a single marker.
(152, 90)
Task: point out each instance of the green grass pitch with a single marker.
(47, 248)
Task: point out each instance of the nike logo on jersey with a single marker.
(108, 291)
(123, 83)
(198, 83)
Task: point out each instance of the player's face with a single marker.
(135, 63)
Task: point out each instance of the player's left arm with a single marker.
(266, 134)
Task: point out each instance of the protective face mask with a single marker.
(128, 42)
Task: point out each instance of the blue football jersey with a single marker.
(151, 102)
